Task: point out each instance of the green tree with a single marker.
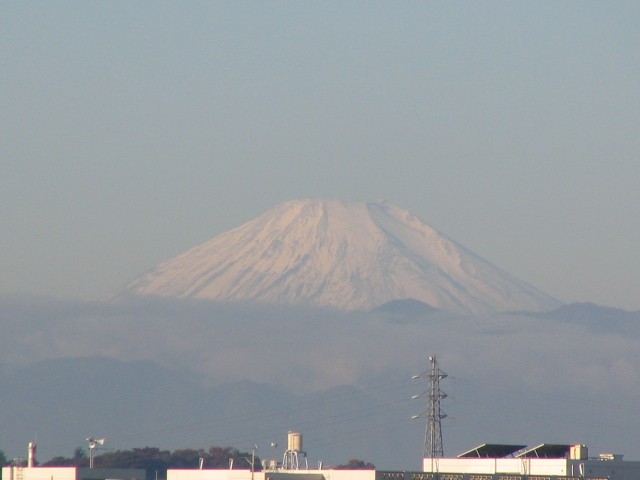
(155, 461)
(151, 459)
(355, 464)
(80, 456)
(218, 457)
(187, 458)
(79, 459)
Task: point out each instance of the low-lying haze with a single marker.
(532, 378)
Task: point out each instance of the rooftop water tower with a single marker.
(294, 456)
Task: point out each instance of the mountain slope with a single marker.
(112, 398)
(350, 256)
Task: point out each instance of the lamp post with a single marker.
(253, 459)
(93, 443)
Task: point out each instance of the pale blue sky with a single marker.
(132, 131)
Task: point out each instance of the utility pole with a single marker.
(433, 432)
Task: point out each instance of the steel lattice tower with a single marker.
(433, 432)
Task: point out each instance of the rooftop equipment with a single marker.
(31, 459)
(492, 450)
(546, 450)
(294, 456)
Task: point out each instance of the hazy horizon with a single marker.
(74, 369)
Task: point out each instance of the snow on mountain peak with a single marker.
(350, 256)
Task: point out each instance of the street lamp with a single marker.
(253, 459)
(93, 443)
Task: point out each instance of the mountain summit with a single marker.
(349, 256)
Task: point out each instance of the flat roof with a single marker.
(491, 450)
(546, 450)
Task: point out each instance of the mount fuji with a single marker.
(347, 256)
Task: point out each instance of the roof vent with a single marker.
(610, 457)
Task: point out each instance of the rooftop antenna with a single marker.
(433, 432)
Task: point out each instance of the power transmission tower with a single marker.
(433, 432)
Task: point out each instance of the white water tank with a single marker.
(294, 442)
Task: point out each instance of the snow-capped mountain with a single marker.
(350, 256)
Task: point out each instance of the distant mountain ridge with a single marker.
(161, 372)
(583, 311)
(405, 306)
(349, 256)
(113, 397)
(596, 317)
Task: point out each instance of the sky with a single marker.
(133, 131)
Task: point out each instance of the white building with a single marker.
(33, 472)
(71, 473)
(485, 462)
(224, 474)
(546, 461)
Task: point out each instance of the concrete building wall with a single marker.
(212, 474)
(71, 473)
(111, 474)
(613, 469)
(616, 469)
(39, 473)
(225, 474)
(548, 466)
(489, 466)
(349, 474)
(460, 465)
